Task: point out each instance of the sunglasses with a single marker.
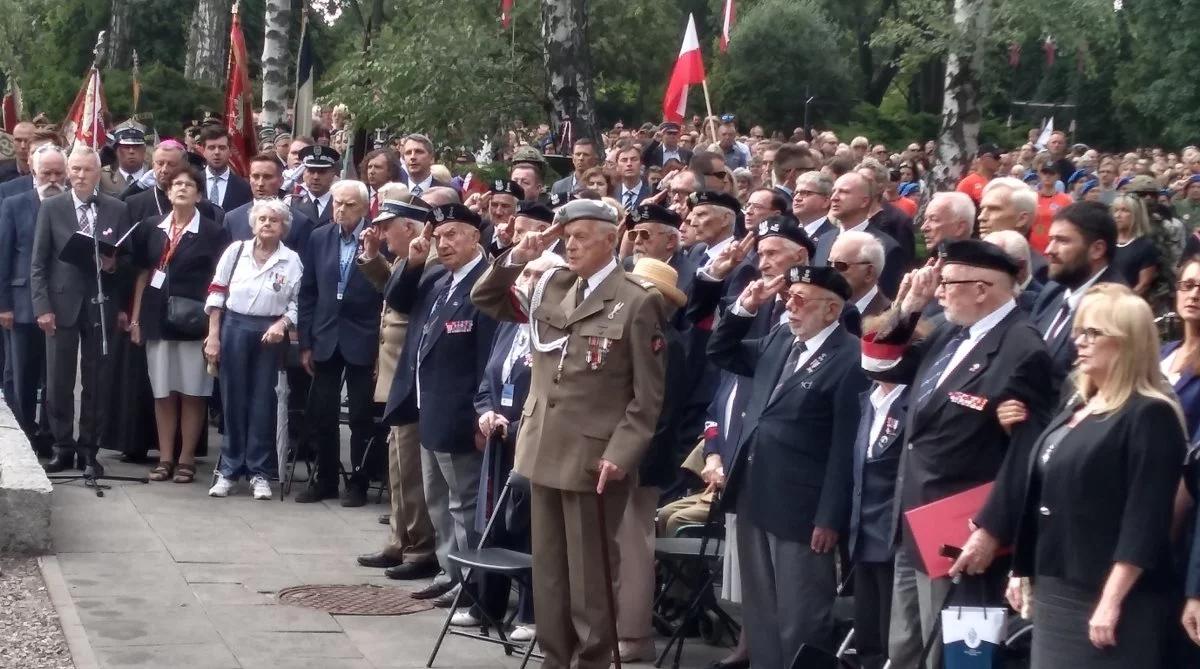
(640, 234)
(843, 266)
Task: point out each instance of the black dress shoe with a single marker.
(61, 462)
(380, 560)
(410, 571)
(385, 519)
(313, 494)
(354, 497)
(433, 590)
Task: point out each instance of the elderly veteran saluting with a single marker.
(594, 400)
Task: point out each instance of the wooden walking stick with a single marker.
(608, 581)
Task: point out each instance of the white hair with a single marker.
(84, 151)
(273, 206)
(961, 206)
(870, 249)
(1015, 246)
(392, 190)
(359, 188)
(42, 151)
(1022, 197)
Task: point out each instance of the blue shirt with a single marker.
(347, 252)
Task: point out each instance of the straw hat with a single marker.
(663, 276)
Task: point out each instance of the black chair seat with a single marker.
(494, 560)
(682, 548)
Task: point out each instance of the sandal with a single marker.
(185, 473)
(162, 471)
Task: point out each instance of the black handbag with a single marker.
(186, 316)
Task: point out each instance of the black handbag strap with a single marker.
(236, 259)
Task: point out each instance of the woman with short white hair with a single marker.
(251, 304)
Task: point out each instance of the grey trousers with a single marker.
(788, 593)
(451, 482)
(915, 606)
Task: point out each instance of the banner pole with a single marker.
(712, 128)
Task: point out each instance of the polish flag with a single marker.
(689, 69)
(506, 7)
(727, 26)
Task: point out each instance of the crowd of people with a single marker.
(790, 340)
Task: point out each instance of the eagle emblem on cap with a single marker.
(807, 278)
(316, 150)
(439, 215)
(638, 214)
(499, 185)
(763, 228)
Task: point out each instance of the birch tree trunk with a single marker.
(961, 117)
(208, 42)
(119, 50)
(569, 64)
(275, 61)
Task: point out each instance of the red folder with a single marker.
(945, 523)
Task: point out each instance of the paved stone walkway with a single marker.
(163, 576)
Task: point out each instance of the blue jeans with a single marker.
(249, 374)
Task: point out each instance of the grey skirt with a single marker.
(178, 367)
(1061, 612)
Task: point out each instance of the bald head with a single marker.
(851, 200)
(1016, 247)
(438, 196)
(23, 139)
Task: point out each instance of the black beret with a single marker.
(318, 156)
(788, 228)
(535, 210)
(977, 253)
(717, 198)
(559, 199)
(653, 213)
(502, 186)
(449, 213)
(822, 277)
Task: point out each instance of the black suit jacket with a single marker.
(237, 225)
(18, 222)
(16, 186)
(797, 445)
(653, 155)
(451, 356)
(1046, 309)
(895, 262)
(899, 226)
(661, 462)
(237, 191)
(8, 170)
(349, 325)
(824, 238)
(188, 275)
(875, 481)
(953, 446)
(152, 203)
(1106, 497)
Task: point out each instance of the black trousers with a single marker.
(872, 612)
(324, 410)
(82, 340)
(24, 375)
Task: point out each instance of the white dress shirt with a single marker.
(598, 278)
(91, 209)
(1073, 298)
(222, 183)
(625, 191)
(813, 343)
(250, 289)
(420, 188)
(811, 228)
(865, 301)
(974, 334)
(861, 227)
(130, 177)
(320, 203)
(882, 404)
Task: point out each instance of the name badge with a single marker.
(459, 327)
(156, 281)
(506, 395)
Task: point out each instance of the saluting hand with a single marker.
(730, 256)
(370, 242)
(533, 245)
(923, 285)
(418, 248)
(759, 292)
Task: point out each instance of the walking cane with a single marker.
(608, 581)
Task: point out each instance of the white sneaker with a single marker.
(523, 633)
(221, 488)
(261, 487)
(464, 619)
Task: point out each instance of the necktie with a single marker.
(433, 312)
(865, 424)
(316, 203)
(417, 190)
(629, 195)
(85, 220)
(1060, 319)
(789, 366)
(777, 311)
(214, 191)
(128, 179)
(580, 290)
(934, 374)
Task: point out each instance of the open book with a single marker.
(80, 248)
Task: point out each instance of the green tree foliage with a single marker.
(779, 54)
(1157, 91)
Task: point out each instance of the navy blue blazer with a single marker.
(16, 186)
(491, 387)
(875, 481)
(18, 221)
(237, 224)
(797, 444)
(328, 325)
(824, 238)
(452, 354)
(1062, 347)
(237, 191)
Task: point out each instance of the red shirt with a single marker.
(906, 205)
(972, 185)
(1047, 207)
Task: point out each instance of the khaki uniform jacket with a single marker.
(112, 182)
(393, 326)
(600, 400)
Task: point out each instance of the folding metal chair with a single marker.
(693, 563)
(512, 564)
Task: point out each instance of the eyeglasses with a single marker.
(642, 234)
(801, 300)
(946, 282)
(843, 266)
(1186, 286)
(809, 193)
(1089, 335)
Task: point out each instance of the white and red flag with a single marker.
(506, 7)
(239, 101)
(85, 121)
(689, 69)
(728, 17)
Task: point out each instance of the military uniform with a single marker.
(597, 387)
(112, 180)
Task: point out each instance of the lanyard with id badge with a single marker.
(160, 273)
(519, 349)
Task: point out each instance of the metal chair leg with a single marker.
(445, 628)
